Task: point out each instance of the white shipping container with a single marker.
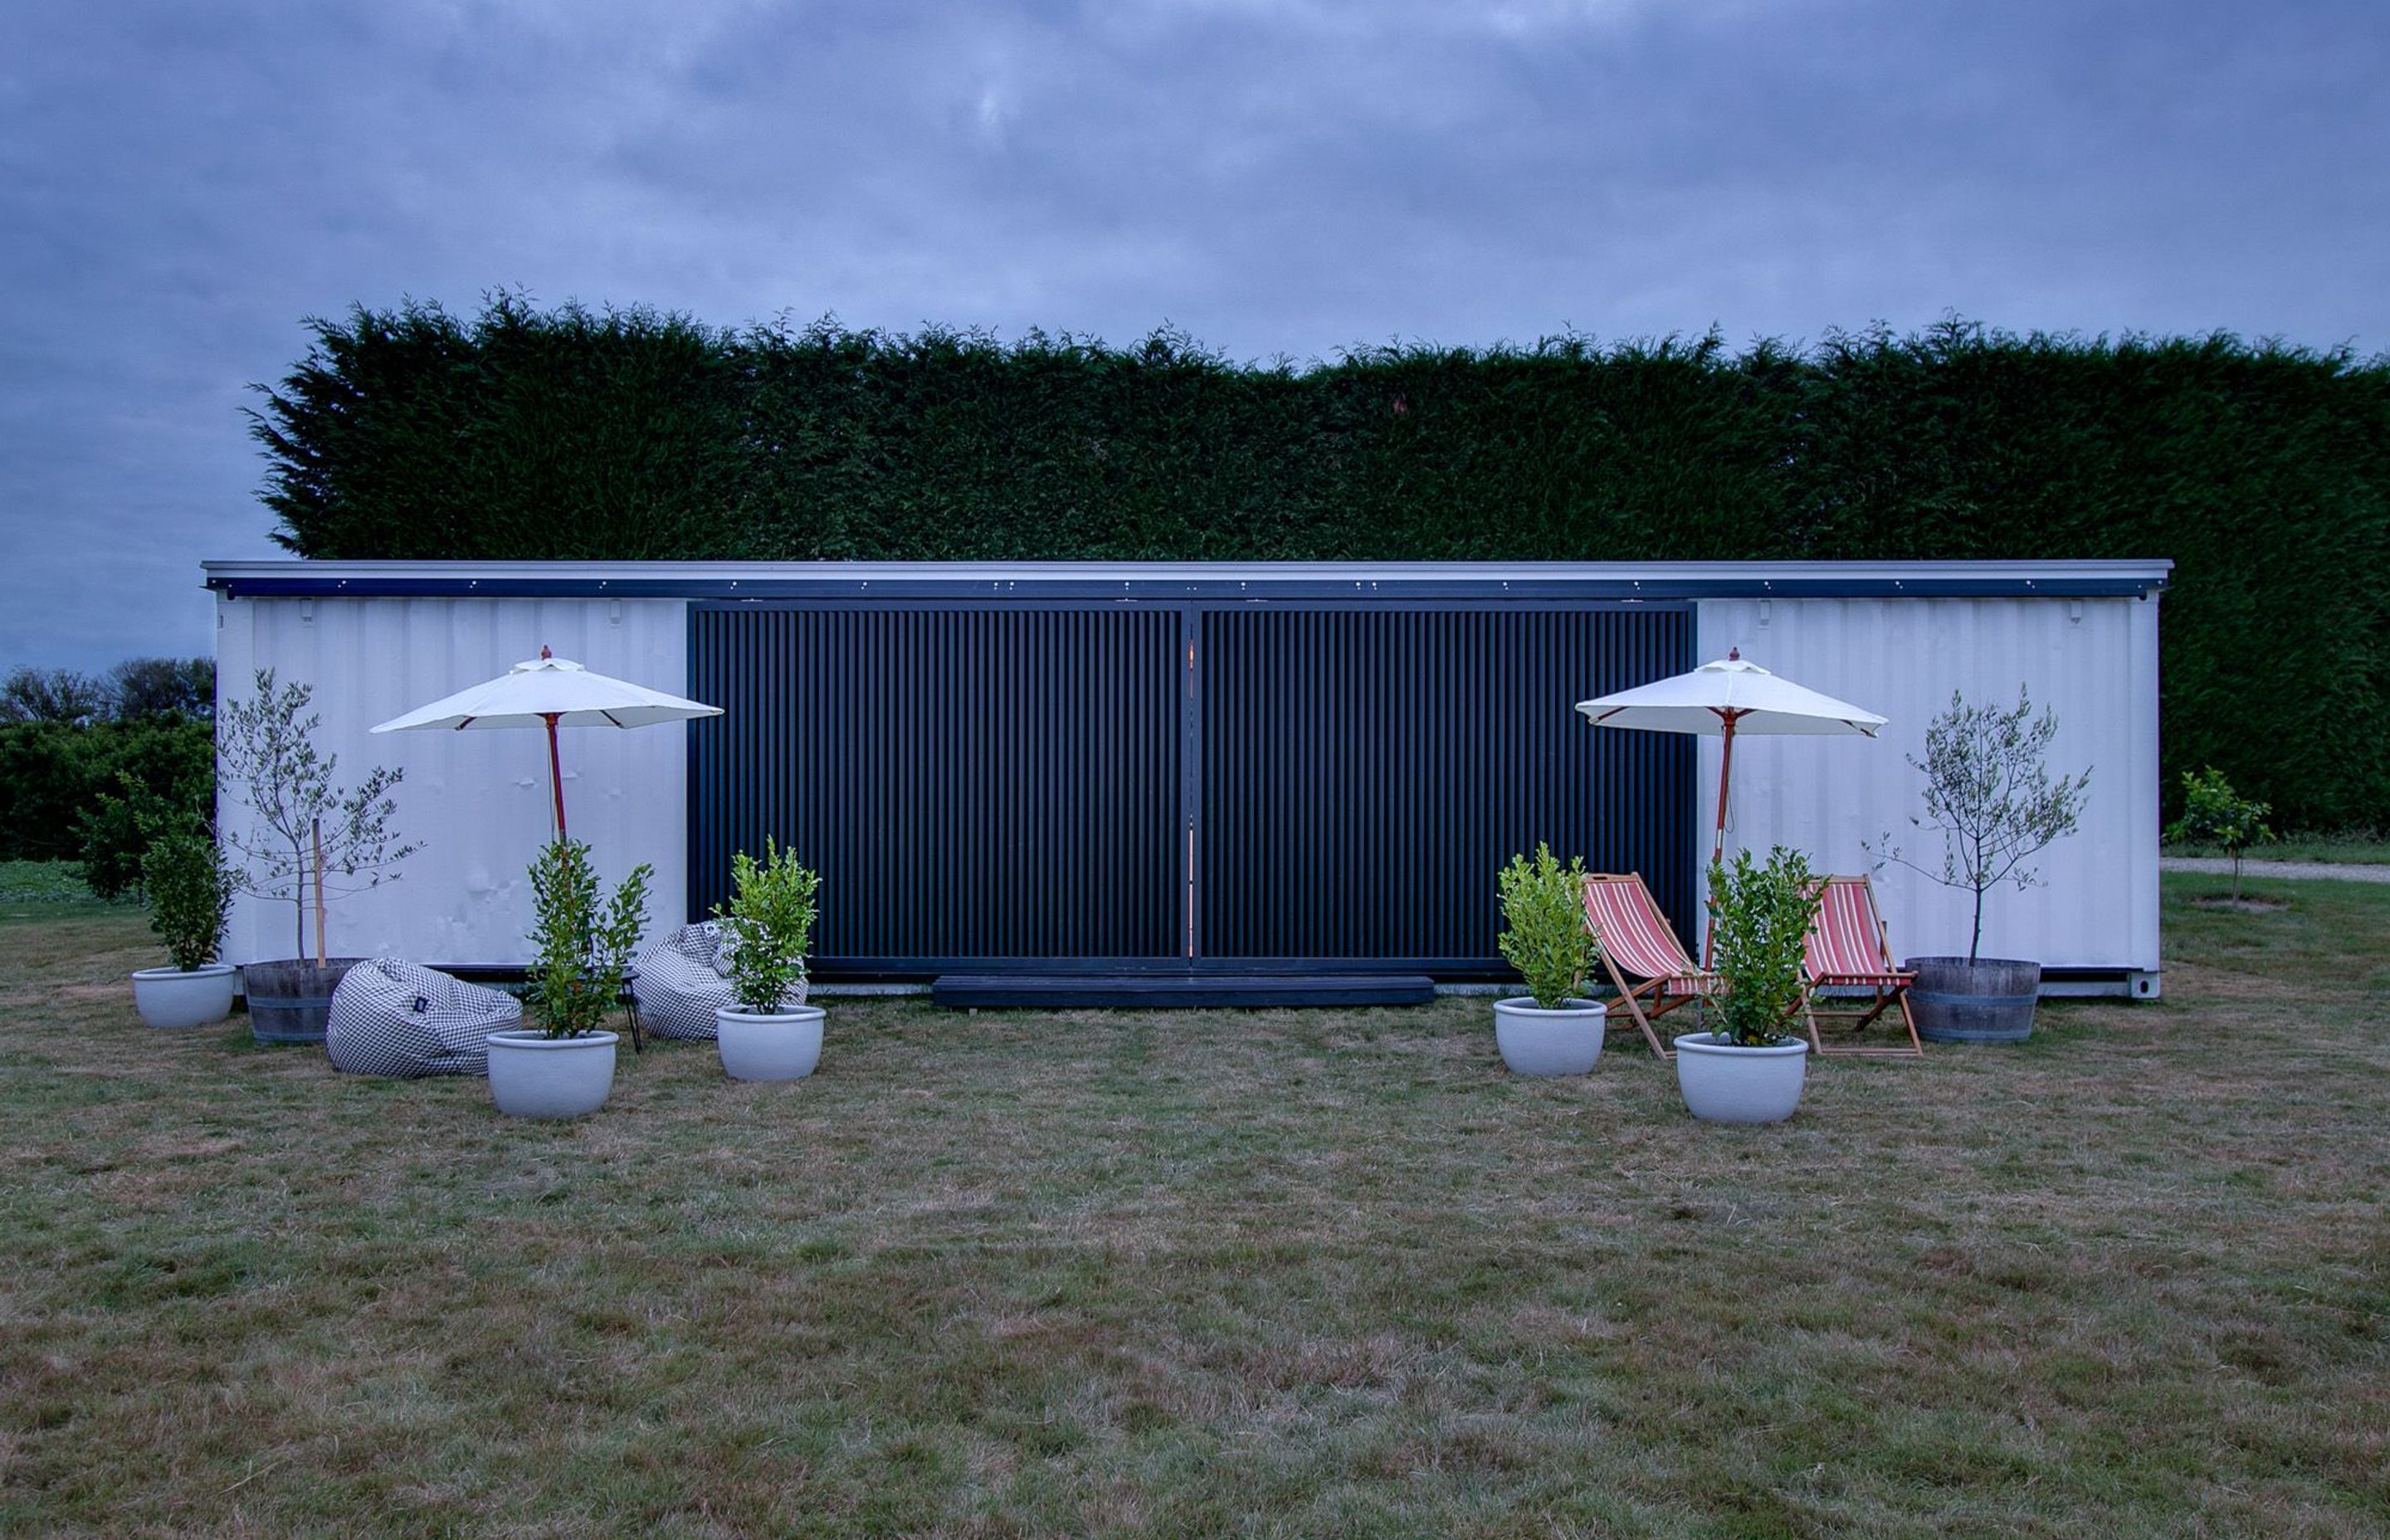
(376, 639)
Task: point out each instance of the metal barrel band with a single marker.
(1935, 998)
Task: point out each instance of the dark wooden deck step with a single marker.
(1168, 991)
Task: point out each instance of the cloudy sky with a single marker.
(181, 183)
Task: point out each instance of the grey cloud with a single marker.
(180, 184)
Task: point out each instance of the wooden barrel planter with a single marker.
(1989, 1000)
(290, 1000)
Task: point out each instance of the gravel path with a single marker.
(2262, 869)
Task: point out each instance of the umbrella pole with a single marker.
(1718, 844)
(556, 771)
(1726, 773)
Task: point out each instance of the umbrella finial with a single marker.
(543, 652)
(1733, 654)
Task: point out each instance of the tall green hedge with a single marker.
(2263, 471)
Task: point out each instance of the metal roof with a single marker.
(1205, 580)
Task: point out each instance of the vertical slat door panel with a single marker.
(1367, 769)
(998, 785)
(972, 782)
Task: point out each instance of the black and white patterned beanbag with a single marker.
(678, 987)
(393, 1017)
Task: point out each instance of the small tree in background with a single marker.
(52, 694)
(1991, 797)
(2213, 814)
(158, 686)
(308, 830)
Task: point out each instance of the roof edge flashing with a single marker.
(1160, 580)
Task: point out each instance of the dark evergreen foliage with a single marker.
(2263, 471)
(100, 791)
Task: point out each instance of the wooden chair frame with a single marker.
(1887, 988)
(1651, 999)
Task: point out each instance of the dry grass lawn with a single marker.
(1298, 1274)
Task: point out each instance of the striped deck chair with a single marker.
(1849, 950)
(1638, 943)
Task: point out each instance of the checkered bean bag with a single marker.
(393, 1018)
(685, 977)
(679, 986)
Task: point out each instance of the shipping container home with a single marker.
(1200, 782)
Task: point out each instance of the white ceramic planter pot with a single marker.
(170, 997)
(1724, 1084)
(1538, 1042)
(532, 1075)
(781, 1044)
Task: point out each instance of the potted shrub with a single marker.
(770, 1032)
(564, 1066)
(189, 891)
(1551, 1030)
(1750, 1067)
(2212, 814)
(1989, 794)
(307, 839)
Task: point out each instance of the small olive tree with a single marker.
(307, 830)
(2212, 814)
(1989, 794)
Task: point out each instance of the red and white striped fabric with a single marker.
(1845, 942)
(1636, 936)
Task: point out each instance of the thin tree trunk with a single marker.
(2236, 877)
(316, 833)
(298, 900)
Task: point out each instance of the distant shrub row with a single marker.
(98, 792)
(2263, 471)
(92, 767)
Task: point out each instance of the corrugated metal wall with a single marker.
(1367, 769)
(2094, 660)
(998, 785)
(971, 782)
(477, 801)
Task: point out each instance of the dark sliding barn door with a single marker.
(1135, 785)
(1365, 771)
(971, 783)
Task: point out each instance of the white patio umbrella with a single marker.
(550, 692)
(1721, 699)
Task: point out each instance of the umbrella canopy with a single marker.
(1724, 698)
(550, 692)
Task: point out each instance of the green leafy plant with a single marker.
(1759, 921)
(2212, 814)
(770, 918)
(306, 829)
(1989, 794)
(164, 783)
(584, 939)
(189, 891)
(1545, 935)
